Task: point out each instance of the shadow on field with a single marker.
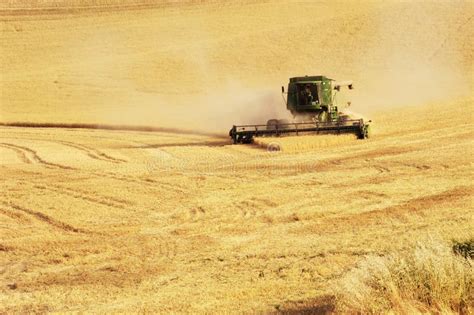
(218, 143)
(325, 304)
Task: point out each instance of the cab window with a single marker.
(307, 94)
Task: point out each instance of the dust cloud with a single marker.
(399, 61)
(209, 66)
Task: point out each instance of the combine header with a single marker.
(311, 102)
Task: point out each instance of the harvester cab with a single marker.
(310, 98)
(311, 101)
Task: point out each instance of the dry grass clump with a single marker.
(304, 143)
(430, 278)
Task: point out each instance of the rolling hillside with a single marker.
(175, 219)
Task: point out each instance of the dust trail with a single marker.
(108, 127)
(200, 69)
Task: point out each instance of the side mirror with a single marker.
(282, 89)
(350, 87)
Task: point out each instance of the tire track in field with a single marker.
(14, 215)
(417, 204)
(42, 217)
(379, 216)
(196, 214)
(141, 181)
(253, 207)
(247, 209)
(153, 245)
(28, 154)
(84, 195)
(91, 152)
(190, 213)
(421, 167)
(19, 153)
(381, 169)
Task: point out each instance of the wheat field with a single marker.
(121, 191)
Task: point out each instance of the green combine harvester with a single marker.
(310, 99)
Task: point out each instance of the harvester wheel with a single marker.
(272, 124)
(364, 132)
(283, 123)
(246, 139)
(367, 131)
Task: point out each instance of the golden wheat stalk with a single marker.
(295, 144)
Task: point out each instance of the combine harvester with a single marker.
(310, 99)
